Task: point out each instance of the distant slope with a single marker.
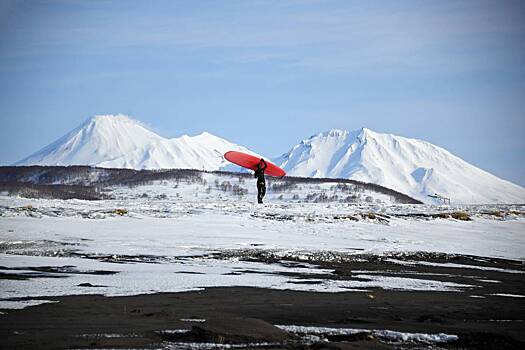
(410, 166)
(118, 141)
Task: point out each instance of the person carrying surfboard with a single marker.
(259, 165)
(261, 183)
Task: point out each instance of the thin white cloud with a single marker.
(386, 37)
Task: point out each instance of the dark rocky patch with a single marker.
(232, 330)
(227, 309)
(485, 341)
(60, 324)
(87, 284)
(191, 272)
(48, 272)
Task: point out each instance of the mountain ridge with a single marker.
(411, 166)
(118, 141)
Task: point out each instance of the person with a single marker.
(261, 183)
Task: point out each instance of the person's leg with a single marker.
(259, 193)
(263, 190)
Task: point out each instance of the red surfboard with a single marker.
(250, 162)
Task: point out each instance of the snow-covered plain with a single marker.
(162, 237)
(195, 228)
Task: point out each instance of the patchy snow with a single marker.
(181, 275)
(458, 266)
(403, 283)
(108, 335)
(508, 295)
(21, 304)
(193, 320)
(164, 245)
(382, 334)
(210, 346)
(174, 331)
(488, 281)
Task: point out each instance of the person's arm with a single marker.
(265, 165)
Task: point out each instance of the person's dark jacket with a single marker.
(259, 173)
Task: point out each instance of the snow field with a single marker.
(165, 245)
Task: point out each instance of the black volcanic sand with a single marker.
(242, 315)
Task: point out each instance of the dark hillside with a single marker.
(84, 179)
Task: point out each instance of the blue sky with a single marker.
(267, 74)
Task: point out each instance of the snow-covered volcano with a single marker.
(414, 167)
(410, 166)
(118, 141)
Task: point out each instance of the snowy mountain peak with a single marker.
(359, 134)
(111, 118)
(414, 167)
(107, 123)
(206, 134)
(119, 141)
(335, 133)
(365, 132)
(117, 126)
(410, 166)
